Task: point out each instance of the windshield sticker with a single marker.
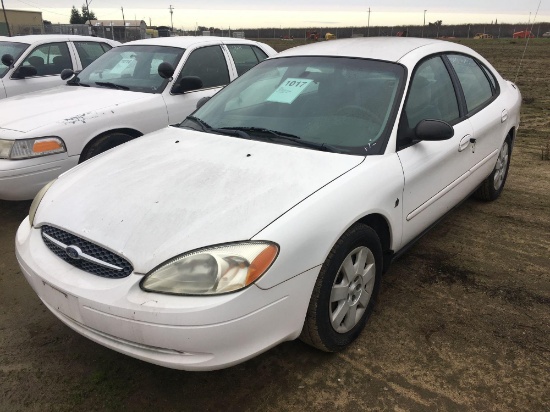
(289, 90)
(122, 65)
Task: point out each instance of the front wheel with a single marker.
(492, 187)
(345, 292)
(103, 143)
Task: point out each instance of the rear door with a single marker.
(487, 112)
(245, 56)
(87, 51)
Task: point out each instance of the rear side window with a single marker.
(49, 59)
(260, 54)
(209, 64)
(432, 95)
(244, 57)
(475, 84)
(89, 51)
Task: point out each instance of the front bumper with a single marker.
(23, 179)
(181, 332)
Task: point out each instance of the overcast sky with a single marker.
(295, 13)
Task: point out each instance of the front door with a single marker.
(435, 172)
(48, 60)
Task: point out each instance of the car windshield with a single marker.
(133, 68)
(15, 49)
(330, 103)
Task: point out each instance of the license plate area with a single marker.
(60, 301)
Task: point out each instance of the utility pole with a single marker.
(368, 24)
(424, 22)
(88, 9)
(6, 19)
(123, 22)
(171, 14)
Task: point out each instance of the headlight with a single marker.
(36, 201)
(213, 270)
(27, 148)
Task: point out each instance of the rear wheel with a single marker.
(492, 187)
(345, 292)
(103, 143)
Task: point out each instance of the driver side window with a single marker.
(432, 95)
(49, 59)
(209, 64)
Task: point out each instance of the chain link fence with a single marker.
(119, 33)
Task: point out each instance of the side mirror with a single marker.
(187, 84)
(24, 71)
(165, 70)
(202, 101)
(433, 130)
(67, 74)
(8, 60)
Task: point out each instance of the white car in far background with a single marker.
(30, 63)
(131, 90)
(272, 211)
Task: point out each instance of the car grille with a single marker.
(92, 259)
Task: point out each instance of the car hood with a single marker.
(62, 104)
(177, 190)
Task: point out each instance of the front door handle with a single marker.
(464, 142)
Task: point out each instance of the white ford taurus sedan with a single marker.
(30, 63)
(272, 211)
(131, 90)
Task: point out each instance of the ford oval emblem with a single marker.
(73, 252)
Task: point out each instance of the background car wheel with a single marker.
(345, 292)
(491, 187)
(103, 143)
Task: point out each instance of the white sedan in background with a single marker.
(272, 211)
(133, 89)
(30, 63)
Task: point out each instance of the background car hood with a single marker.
(60, 105)
(177, 190)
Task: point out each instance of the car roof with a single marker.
(189, 41)
(41, 38)
(391, 49)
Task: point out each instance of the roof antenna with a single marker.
(527, 42)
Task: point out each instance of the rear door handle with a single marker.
(464, 142)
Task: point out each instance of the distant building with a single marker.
(21, 22)
(120, 30)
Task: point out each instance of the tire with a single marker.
(342, 300)
(492, 187)
(103, 143)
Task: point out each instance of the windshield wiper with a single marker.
(288, 136)
(224, 130)
(204, 126)
(112, 85)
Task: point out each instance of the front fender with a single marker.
(307, 232)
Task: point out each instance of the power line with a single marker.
(40, 8)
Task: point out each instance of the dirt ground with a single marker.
(462, 323)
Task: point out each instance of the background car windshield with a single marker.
(342, 102)
(132, 67)
(15, 49)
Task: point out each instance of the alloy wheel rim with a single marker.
(352, 289)
(501, 167)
